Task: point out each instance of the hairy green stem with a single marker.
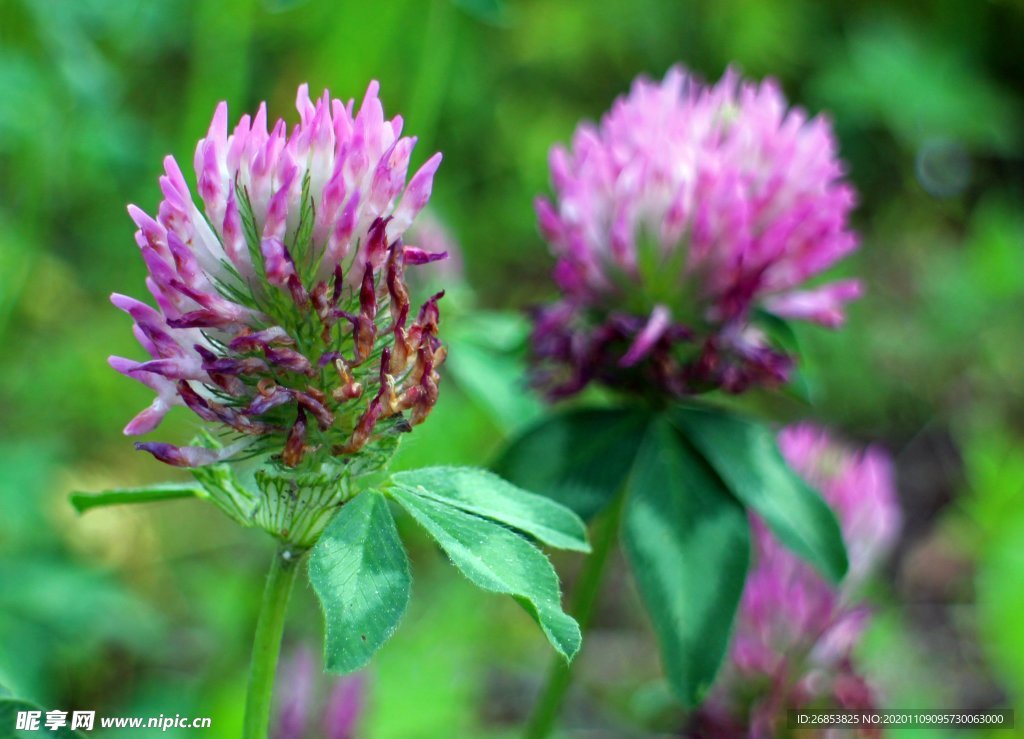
(584, 597)
(267, 643)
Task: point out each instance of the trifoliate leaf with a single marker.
(360, 573)
(485, 494)
(499, 560)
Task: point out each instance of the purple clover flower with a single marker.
(687, 211)
(282, 318)
(795, 633)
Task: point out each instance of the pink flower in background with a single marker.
(795, 633)
(858, 485)
(678, 218)
(300, 702)
(282, 317)
(296, 694)
(345, 705)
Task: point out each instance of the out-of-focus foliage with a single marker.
(151, 610)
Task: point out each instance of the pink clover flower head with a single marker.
(795, 632)
(676, 222)
(281, 315)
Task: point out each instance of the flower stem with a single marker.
(267, 643)
(584, 597)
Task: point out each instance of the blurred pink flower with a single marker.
(345, 705)
(686, 211)
(282, 316)
(795, 633)
(859, 486)
(295, 695)
(299, 701)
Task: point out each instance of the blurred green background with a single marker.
(150, 610)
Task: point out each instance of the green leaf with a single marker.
(360, 573)
(688, 543)
(579, 459)
(148, 494)
(746, 456)
(499, 560)
(485, 494)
